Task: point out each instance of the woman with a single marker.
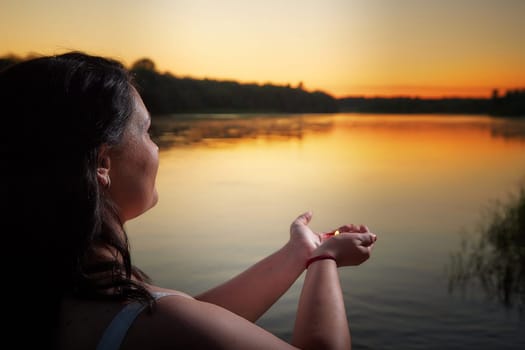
(87, 167)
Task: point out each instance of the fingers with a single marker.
(354, 228)
(303, 219)
(367, 239)
(348, 228)
(366, 246)
(366, 252)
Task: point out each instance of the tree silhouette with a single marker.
(143, 64)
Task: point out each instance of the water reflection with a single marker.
(180, 129)
(191, 129)
(493, 259)
(506, 128)
(512, 128)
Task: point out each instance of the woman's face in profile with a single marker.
(133, 165)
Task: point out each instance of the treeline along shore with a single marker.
(510, 104)
(165, 93)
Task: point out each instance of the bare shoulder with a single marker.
(182, 321)
(156, 289)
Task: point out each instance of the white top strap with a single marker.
(117, 329)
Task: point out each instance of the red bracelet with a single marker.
(319, 257)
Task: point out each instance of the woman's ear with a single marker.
(104, 164)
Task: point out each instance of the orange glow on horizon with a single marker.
(430, 49)
(423, 92)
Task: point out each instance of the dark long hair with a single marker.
(56, 112)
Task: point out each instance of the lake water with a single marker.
(230, 185)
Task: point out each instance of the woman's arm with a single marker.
(321, 321)
(251, 293)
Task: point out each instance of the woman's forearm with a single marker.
(321, 321)
(251, 293)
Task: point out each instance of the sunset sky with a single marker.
(343, 47)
